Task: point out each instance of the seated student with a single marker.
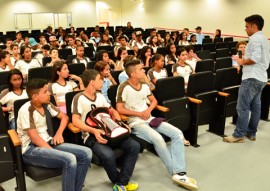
(54, 56)
(171, 57)
(122, 43)
(193, 39)
(183, 39)
(145, 55)
(15, 54)
(45, 53)
(104, 41)
(192, 58)
(182, 68)
(157, 71)
(81, 105)
(79, 56)
(5, 63)
(71, 44)
(104, 70)
(8, 45)
(103, 55)
(19, 41)
(132, 99)
(54, 42)
(154, 43)
(240, 46)
(27, 62)
(121, 55)
(14, 92)
(62, 83)
(41, 146)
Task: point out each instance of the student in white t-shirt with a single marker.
(44, 147)
(27, 61)
(5, 63)
(157, 71)
(192, 58)
(14, 92)
(62, 83)
(15, 54)
(181, 68)
(121, 55)
(135, 100)
(80, 58)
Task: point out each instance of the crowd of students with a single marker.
(134, 98)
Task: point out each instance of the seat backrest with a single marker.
(232, 44)
(3, 122)
(40, 72)
(88, 51)
(169, 69)
(228, 39)
(77, 68)
(222, 52)
(204, 54)
(162, 50)
(70, 58)
(69, 98)
(169, 88)
(107, 48)
(46, 60)
(91, 65)
(226, 77)
(225, 62)
(205, 65)
(207, 40)
(63, 53)
(200, 82)
(4, 77)
(218, 40)
(112, 91)
(221, 45)
(115, 75)
(197, 47)
(209, 46)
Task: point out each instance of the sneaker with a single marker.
(232, 139)
(132, 186)
(119, 188)
(251, 138)
(186, 182)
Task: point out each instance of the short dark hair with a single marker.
(89, 75)
(257, 20)
(33, 86)
(155, 58)
(189, 48)
(46, 47)
(129, 67)
(179, 51)
(100, 66)
(100, 55)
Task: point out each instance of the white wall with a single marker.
(83, 11)
(228, 15)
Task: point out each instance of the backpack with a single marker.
(101, 118)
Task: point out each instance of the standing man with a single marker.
(255, 64)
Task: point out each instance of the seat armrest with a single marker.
(14, 138)
(73, 128)
(223, 94)
(268, 83)
(194, 100)
(162, 108)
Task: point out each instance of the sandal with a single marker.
(186, 143)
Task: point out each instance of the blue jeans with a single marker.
(73, 159)
(131, 149)
(12, 124)
(173, 159)
(249, 100)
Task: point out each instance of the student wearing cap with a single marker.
(54, 42)
(199, 35)
(152, 33)
(138, 43)
(34, 45)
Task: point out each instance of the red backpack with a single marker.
(101, 118)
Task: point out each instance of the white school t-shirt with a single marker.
(8, 98)
(25, 66)
(60, 91)
(30, 118)
(135, 100)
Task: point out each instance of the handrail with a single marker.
(208, 33)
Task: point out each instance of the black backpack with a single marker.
(101, 118)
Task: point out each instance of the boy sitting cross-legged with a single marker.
(94, 139)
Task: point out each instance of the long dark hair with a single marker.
(57, 67)
(142, 56)
(14, 71)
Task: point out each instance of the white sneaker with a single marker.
(186, 182)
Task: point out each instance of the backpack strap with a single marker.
(48, 120)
